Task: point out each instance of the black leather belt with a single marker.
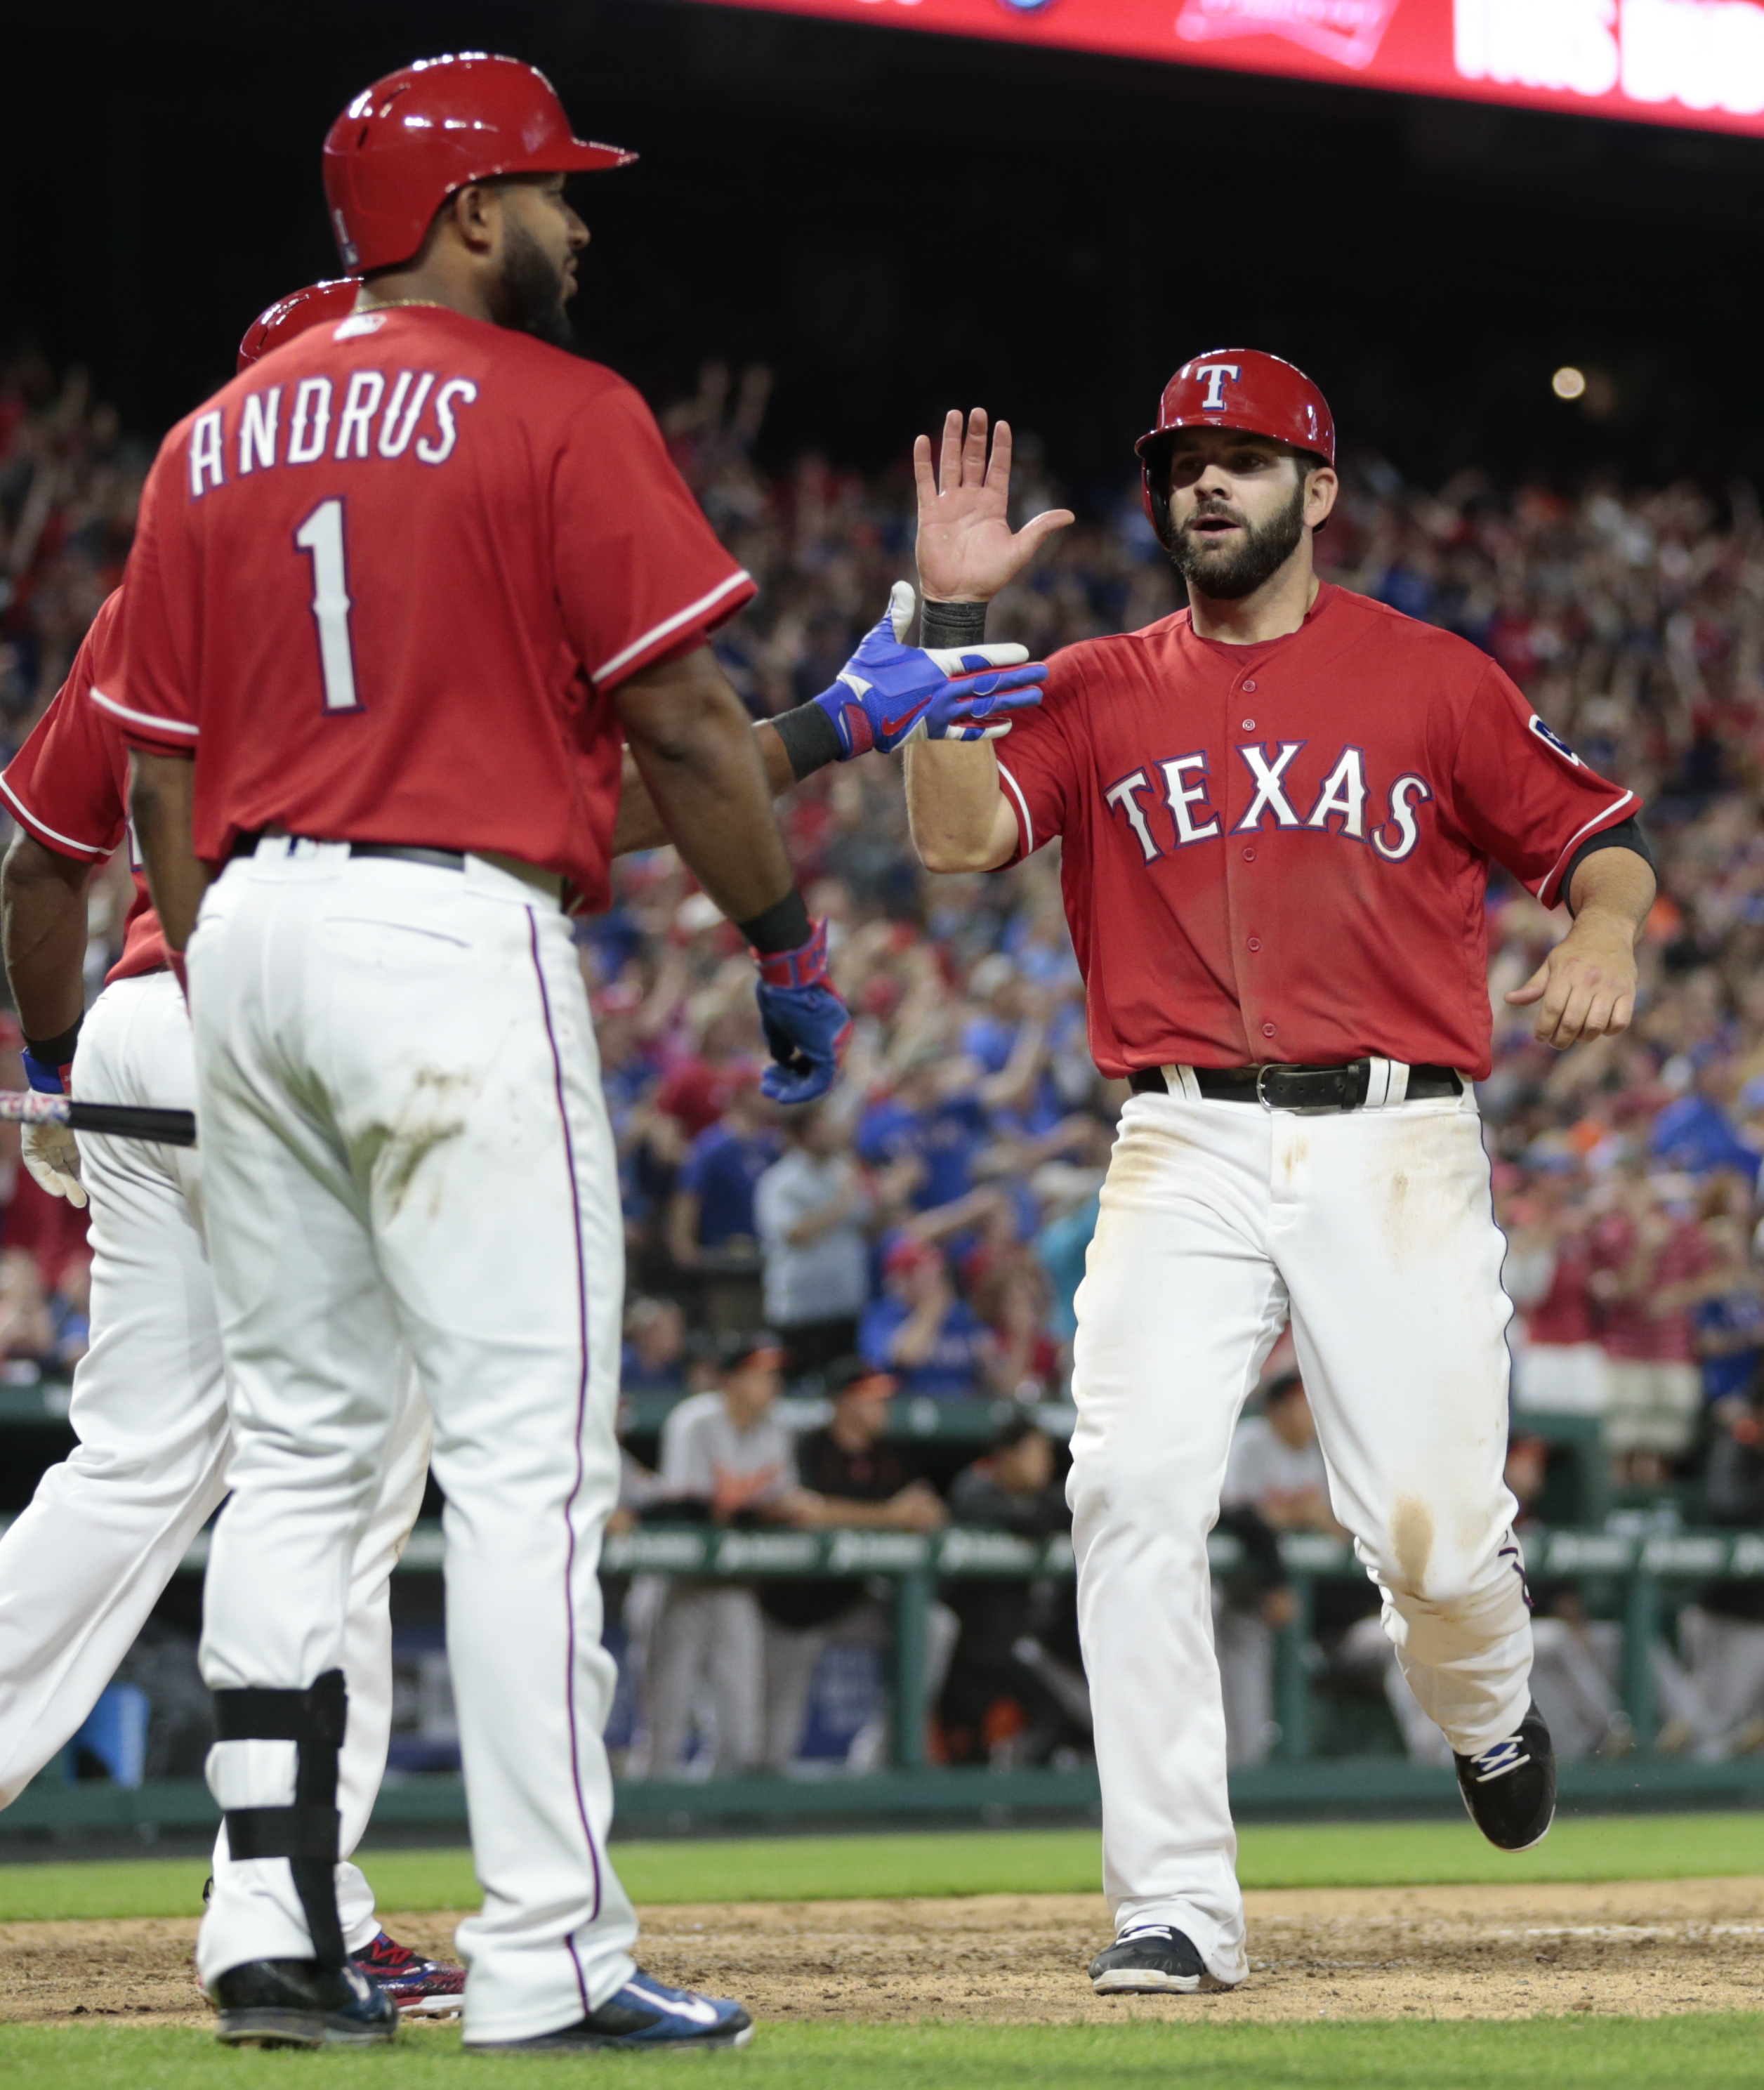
(439, 859)
(1279, 1087)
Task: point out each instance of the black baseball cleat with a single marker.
(1510, 1787)
(645, 2016)
(1155, 1960)
(297, 2003)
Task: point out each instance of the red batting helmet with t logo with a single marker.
(403, 145)
(1245, 389)
(294, 313)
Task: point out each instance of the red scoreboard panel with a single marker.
(1697, 63)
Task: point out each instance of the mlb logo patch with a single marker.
(1555, 739)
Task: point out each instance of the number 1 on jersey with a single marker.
(321, 537)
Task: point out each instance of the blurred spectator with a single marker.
(1559, 1364)
(1648, 1257)
(726, 1458)
(1275, 1480)
(848, 1476)
(654, 1347)
(811, 1210)
(1016, 1689)
(712, 1206)
(934, 1117)
(1722, 1635)
(921, 1331)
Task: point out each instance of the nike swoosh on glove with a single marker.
(889, 693)
(806, 1025)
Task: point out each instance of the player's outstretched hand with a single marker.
(889, 693)
(967, 550)
(806, 1025)
(1586, 986)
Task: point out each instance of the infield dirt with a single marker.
(1651, 1948)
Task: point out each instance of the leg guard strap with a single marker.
(306, 1833)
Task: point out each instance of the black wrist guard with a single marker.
(811, 739)
(56, 1051)
(951, 624)
(784, 926)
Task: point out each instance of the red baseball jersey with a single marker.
(1280, 852)
(384, 584)
(69, 785)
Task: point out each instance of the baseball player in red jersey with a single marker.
(399, 590)
(1277, 811)
(82, 1568)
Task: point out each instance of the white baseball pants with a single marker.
(1374, 1230)
(406, 1145)
(82, 1568)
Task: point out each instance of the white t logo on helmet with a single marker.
(1216, 374)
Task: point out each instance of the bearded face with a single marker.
(534, 287)
(1224, 551)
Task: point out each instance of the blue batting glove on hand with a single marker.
(806, 1025)
(889, 693)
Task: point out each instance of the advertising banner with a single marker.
(1695, 62)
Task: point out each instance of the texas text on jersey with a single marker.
(335, 665)
(69, 785)
(1254, 834)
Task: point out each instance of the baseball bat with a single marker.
(166, 1128)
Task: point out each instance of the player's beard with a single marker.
(533, 287)
(1263, 549)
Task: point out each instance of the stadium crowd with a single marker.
(926, 1226)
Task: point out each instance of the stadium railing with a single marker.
(1640, 1571)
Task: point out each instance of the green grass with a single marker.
(1710, 2052)
(1649, 1847)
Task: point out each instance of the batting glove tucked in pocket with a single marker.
(889, 693)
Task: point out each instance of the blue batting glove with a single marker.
(806, 1025)
(50, 1080)
(889, 693)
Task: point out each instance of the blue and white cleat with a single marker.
(645, 2016)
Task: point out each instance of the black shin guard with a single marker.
(306, 1833)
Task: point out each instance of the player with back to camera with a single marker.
(399, 591)
(82, 1565)
(1277, 811)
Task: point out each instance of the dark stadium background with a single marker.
(898, 222)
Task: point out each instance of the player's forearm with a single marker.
(961, 819)
(1616, 888)
(161, 791)
(699, 757)
(639, 825)
(43, 903)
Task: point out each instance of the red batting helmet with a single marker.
(294, 313)
(1245, 388)
(403, 145)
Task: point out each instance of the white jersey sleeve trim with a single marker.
(669, 624)
(1026, 837)
(1578, 836)
(44, 829)
(141, 718)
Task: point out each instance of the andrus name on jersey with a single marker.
(414, 411)
(1168, 803)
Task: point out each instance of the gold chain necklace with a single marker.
(393, 304)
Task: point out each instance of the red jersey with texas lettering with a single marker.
(384, 584)
(1280, 852)
(69, 785)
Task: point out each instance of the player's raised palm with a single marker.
(967, 550)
